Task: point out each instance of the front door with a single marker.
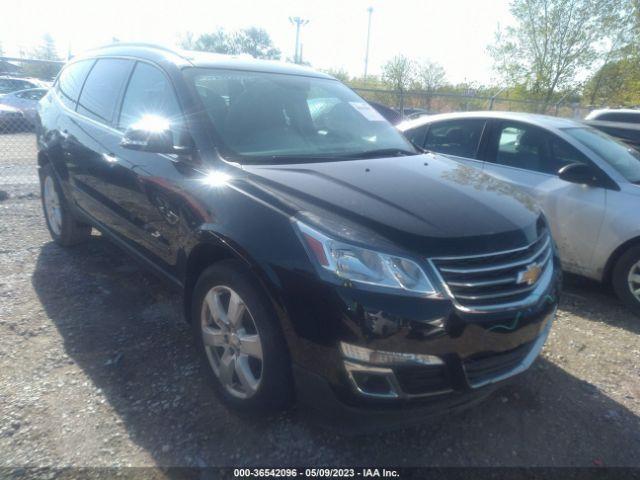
(529, 158)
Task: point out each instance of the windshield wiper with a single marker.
(382, 152)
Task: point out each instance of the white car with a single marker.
(587, 183)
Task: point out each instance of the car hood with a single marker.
(426, 203)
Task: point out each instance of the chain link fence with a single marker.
(408, 101)
(18, 153)
(21, 86)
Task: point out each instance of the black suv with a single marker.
(319, 253)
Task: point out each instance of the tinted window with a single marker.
(416, 135)
(531, 148)
(148, 93)
(102, 89)
(624, 117)
(71, 80)
(456, 137)
(267, 117)
(624, 159)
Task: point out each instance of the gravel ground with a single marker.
(98, 369)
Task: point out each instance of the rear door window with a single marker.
(70, 82)
(102, 89)
(460, 138)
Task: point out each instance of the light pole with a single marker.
(298, 22)
(366, 55)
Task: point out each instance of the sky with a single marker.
(454, 33)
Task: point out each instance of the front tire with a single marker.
(64, 229)
(626, 279)
(240, 340)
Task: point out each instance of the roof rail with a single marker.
(144, 45)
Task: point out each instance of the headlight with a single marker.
(361, 265)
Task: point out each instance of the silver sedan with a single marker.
(587, 183)
(25, 101)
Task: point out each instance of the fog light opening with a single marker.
(373, 384)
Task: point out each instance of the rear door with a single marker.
(458, 139)
(91, 138)
(529, 157)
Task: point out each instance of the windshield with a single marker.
(267, 117)
(623, 158)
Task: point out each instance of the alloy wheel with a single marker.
(52, 206)
(634, 280)
(231, 341)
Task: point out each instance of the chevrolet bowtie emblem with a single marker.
(530, 275)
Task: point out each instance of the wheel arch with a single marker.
(615, 256)
(210, 250)
(43, 159)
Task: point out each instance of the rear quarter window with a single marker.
(71, 80)
(460, 138)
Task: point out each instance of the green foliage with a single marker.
(616, 84)
(399, 73)
(339, 73)
(551, 43)
(431, 76)
(253, 41)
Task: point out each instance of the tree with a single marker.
(431, 76)
(256, 42)
(187, 41)
(399, 73)
(339, 73)
(550, 43)
(623, 40)
(616, 83)
(46, 50)
(253, 41)
(216, 42)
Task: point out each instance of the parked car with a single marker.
(318, 252)
(411, 113)
(13, 84)
(587, 182)
(390, 114)
(11, 119)
(26, 101)
(624, 124)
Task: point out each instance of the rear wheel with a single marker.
(240, 339)
(63, 227)
(626, 279)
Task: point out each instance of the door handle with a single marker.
(110, 158)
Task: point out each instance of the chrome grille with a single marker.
(496, 280)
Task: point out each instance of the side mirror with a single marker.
(156, 141)
(579, 173)
(153, 134)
